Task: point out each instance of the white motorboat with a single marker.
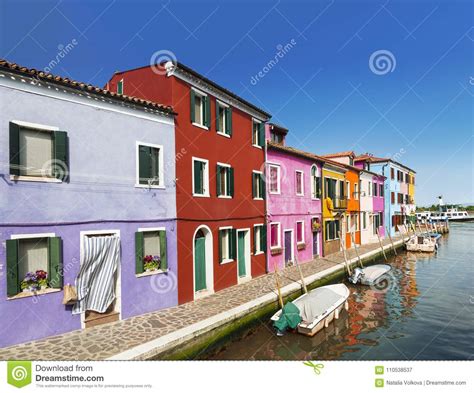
(445, 213)
(369, 275)
(318, 308)
(422, 243)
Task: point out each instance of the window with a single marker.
(381, 219)
(275, 235)
(299, 232)
(276, 137)
(315, 183)
(258, 133)
(37, 151)
(348, 223)
(392, 198)
(299, 183)
(356, 222)
(392, 173)
(150, 250)
(369, 188)
(375, 186)
(149, 165)
(342, 192)
(223, 119)
(227, 241)
(258, 185)
(274, 179)
(348, 188)
(332, 230)
(376, 223)
(200, 177)
(120, 87)
(259, 239)
(381, 191)
(364, 220)
(200, 109)
(406, 178)
(356, 191)
(400, 198)
(34, 262)
(224, 180)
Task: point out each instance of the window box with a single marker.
(276, 251)
(150, 251)
(301, 246)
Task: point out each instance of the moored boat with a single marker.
(317, 309)
(369, 275)
(422, 243)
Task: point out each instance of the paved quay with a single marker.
(147, 335)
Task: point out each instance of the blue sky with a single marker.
(418, 109)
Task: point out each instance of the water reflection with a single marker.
(405, 321)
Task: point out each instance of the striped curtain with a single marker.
(95, 283)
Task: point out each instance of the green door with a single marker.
(200, 263)
(241, 253)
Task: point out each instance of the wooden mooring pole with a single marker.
(301, 275)
(277, 280)
(343, 247)
(380, 242)
(356, 250)
(391, 241)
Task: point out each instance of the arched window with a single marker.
(315, 183)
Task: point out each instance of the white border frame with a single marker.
(118, 282)
(225, 166)
(206, 178)
(209, 263)
(303, 232)
(319, 236)
(254, 120)
(137, 165)
(302, 182)
(261, 245)
(262, 176)
(278, 192)
(226, 260)
(312, 186)
(223, 105)
(201, 94)
(279, 234)
(292, 248)
(248, 256)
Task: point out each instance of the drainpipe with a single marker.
(389, 204)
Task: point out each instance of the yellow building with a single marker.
(334, 205)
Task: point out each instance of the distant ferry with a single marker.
(444, 213)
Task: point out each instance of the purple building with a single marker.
(293, 202)
(87, 198)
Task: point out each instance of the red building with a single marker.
(219, 182)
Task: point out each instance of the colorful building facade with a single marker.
(78, 172)
(294, 194)
(220, 156)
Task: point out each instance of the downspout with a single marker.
(389, 202)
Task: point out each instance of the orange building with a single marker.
(352, 218)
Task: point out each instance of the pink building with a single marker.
(294, 189)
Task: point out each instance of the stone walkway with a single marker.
(102, 342)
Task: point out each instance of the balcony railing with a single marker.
(339, 203)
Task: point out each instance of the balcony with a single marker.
(339, 203)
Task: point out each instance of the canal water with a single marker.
(426, 313)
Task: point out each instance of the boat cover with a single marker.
(317, 302)
(289, 318)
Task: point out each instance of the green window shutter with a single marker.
(218, 180)
(120, 87)
(192, 96)
(139, 252)
(263, 238)
(261, 134)
(228, 119)
(262, 185)
(207, 111)
(14, 149)
(55, 262)
(254, 185)
(230, 178)
(13, 283)
(220, 246)
(254, 240)
(61, 155)
(198, 177)
(144, 164)
(217, 117)
(233, 243)
(163, 251)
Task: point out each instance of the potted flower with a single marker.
(316, 226)
(42, 278)
(29, 283)
(151, 263)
